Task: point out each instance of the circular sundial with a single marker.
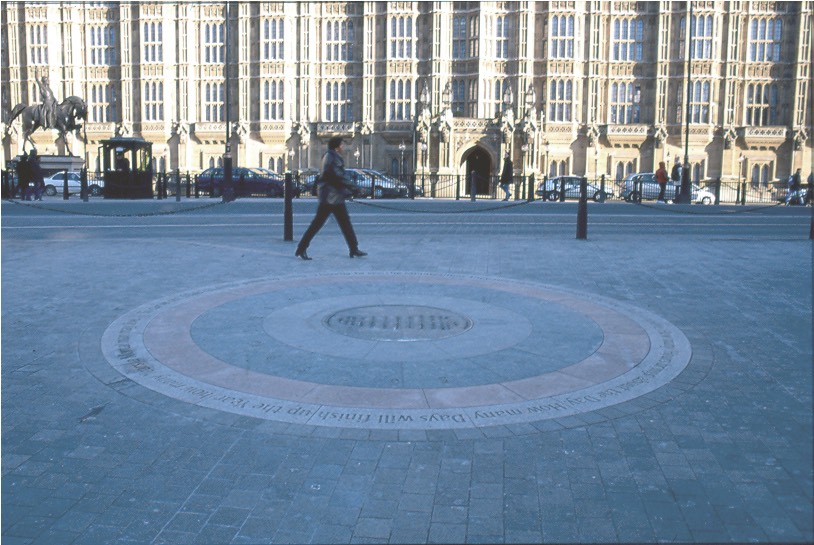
(396, 350)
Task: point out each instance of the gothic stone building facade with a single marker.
(582, 87)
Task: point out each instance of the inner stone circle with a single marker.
(400, 323)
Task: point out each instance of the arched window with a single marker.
(400, 99)
(273, 39)
(562, 37)
(560, 99)
(627, 40)
(765, 37)
(401, 37)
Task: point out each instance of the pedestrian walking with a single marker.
(506, 176)
(794, 188)
(661, 179)
(332, 190)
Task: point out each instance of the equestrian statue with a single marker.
(50, 115)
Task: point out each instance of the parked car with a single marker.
(650, 190)
(54, 185)
(644, 185)
(364, 183)
(551, 189)
(702, 195)
(247, 182)
(388, 181)
(273, 175)
(307, 179)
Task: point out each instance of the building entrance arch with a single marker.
(478, 160)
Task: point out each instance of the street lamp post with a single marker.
(424, 165)
(402, 148)
(741, 184)
(547, 169)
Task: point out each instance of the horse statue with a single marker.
(68, 112)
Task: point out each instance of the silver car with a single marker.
(551, 188)
(55, 183)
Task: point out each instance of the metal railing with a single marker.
(177, 184)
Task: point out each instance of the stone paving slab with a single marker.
(720, 453)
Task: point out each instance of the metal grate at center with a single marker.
(400, 323)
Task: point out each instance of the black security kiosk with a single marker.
(128, 168)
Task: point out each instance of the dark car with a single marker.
(297, 188)
(384, 187)
(247, 182)
(385, 180)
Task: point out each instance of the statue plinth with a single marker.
(51, 164)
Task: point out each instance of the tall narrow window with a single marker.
(152, 39)
(338, 106)
(38, 44)
(459, 37)
(458, 97)
(562, 37)
(765, 37)
(761, 104)
(624, 103)
(702, 37)
(400, 99)
(213, 43)
(102, 45)
(100, 102)
(273, 40)
(153, 102)
(213, 102)
(499, 87)
(272, 101)
(560, 98)
(339, 40)
(502, 37)
(699, 102)
(401, 37)
(628, 40)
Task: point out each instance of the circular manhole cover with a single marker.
(401, 323)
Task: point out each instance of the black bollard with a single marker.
(288, 213)
(65, 192)
(189, 186)
(743, 194)
(545, 187)
(473, 187)
(83, 185)
(531, 188)
(562, 189)
(582, 210)
(177, 185)
(718, 191)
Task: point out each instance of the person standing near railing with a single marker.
(506, 176)
(661, 178)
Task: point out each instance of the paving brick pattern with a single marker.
(721, 454)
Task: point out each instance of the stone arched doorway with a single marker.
(478, 159)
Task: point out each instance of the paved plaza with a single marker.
(172, 374)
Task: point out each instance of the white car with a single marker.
(54, 185)
(702, 195)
